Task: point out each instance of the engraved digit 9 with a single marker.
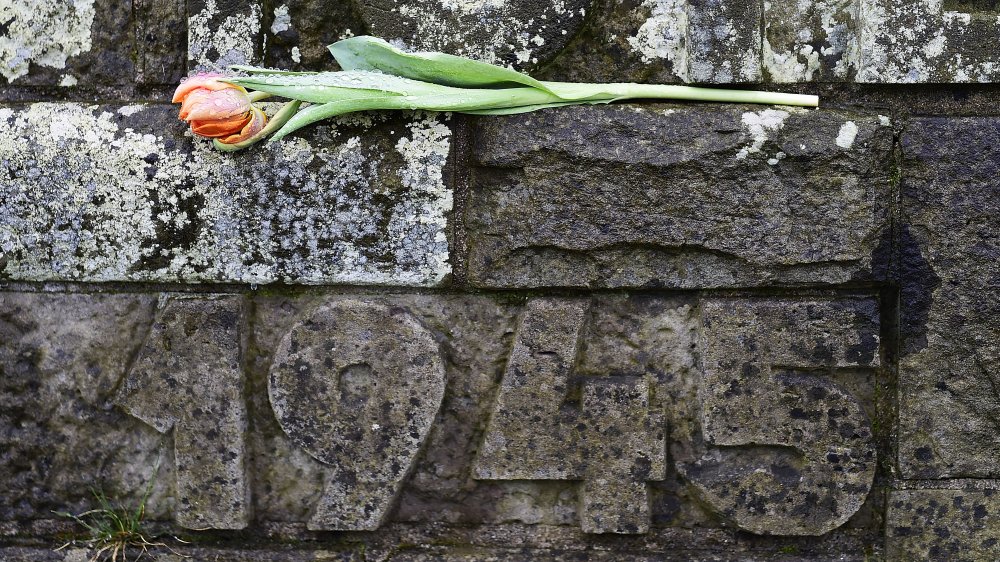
(357, 385)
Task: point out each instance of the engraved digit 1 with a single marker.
(357, 385)
(782, 449)
(612, 440)
(187, 377)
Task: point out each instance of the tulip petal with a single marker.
(206, 81)
(221, 127)
(204, 105)
(254, 126)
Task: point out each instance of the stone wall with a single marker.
(626, 332)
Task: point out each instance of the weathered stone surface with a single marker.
(614, 443)
(521, 33)
(811, 40)
(85, 42)
(960, 525)
(678, 196)
(358, 385)
(111, 193)
(188, 377)
(224, 32)
(300, 30)
(664, 41)
(161, 35)
(474, 333)
(928, 41)
(61, 358)
(776, 444)
(950, 301)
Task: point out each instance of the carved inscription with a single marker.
(610, 440)
(782, 449)
(187, 377)
(357, 385)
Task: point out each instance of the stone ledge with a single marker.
(692, 196)
(124, 193)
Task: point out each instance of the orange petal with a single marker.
(221, 127)
(250, 129)
(207, 81)
(206, 105)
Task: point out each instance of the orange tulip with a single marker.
(217, 109)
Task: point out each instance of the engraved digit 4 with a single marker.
(613, 442)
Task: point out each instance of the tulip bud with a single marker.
(217, 109)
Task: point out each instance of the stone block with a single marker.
(521, 33)
(188, 378)
(614, 443)
(678, 196)
(161, 38)
(61, 359)
(775, 442)
(960, 525)
(85, 43)
(928, 41)
(224, 32)
(123, 193)
(811, 40)
(299, 32)
(950, 303)
(357, 385)
(664, 41)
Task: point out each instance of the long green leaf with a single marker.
(325, 87)
(371, 53)
(315, 113)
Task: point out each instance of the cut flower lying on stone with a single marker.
(377, 76)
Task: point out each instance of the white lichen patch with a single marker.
(282, 21)
(801, 37)
(759, 126)
(42, 32)
(105, 197)
(663, 36)
(848, 132)
(215, 44)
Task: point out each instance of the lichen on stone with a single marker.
(44, 33)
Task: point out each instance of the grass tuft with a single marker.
(113, 530)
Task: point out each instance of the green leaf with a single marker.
(371, 53)
(261, 70)
(316, 113)
(325, 87)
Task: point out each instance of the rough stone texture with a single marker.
(949, 404)
(160, 34)
(121, 193)
(188, 377)
(678, 196)
(777, 445)
(300, 30)
(614, 443)
(928, 41)
(664, 41)
(956, 525)
(811, 40)
(85, 43)
(61, 358)
(224, 32)
(358, 386)
(521, 33)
